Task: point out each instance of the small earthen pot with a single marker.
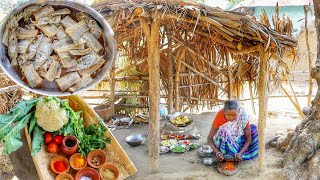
(61, 159)
(73, 159)
(88, 172)
(112, 168)
(95, 155)
(70, 145)
(64, 176)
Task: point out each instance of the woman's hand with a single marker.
(238, 157)
(220, 156)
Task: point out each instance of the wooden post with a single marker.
(230, 95)
(251, 97)
(309, 53)
(170, 72)
(180, 55)
(151, 31)
(112, 83)
(263, 105)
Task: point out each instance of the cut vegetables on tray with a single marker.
(49, 119)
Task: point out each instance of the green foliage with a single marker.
(37, 140)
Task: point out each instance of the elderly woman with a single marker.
(231, 134)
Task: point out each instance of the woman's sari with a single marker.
(230, 137)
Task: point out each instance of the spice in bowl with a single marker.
(59, 166)
(108, 174)
(77, 161)
(96, 160)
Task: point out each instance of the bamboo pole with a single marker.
(180, 55)
(309, 53)
(170, 71)
(263, 106)
(251, 97)
(151, 32)
(112, 86)
(293, 102)
(9, 88)
(230, 95)
(202, 75)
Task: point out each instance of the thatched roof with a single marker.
(272, 3)
(208, 37)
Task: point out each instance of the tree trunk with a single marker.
(301, 158)
(263, 106)
(170, 72)
(151, 31)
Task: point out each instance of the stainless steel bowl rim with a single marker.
(108, 40)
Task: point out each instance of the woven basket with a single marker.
(105, 111)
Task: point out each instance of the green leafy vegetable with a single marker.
(15, 115)
(37, 140)
(32, 124)
(11, 141)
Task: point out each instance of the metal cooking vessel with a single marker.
(136, 139)
(110, 47)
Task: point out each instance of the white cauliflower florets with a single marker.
(50, 116)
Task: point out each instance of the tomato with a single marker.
(48, 137)
(52, 148)
(58, 139)
(59, 166)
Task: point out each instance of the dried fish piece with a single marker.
(30, 27)
(86, 79)
(68, 80)
(32, 76)
(45, 66)
(26, 33)
(67, 60)
(95, 29)
(43, 52)
(49, 30)
(48, 20)
(92, 42)
(68, 22)
(80, 52)
(92, 69)
(53, 70)
(23, 45)
(63, 45)
(33, 47)
(61, 33)
(31, 9)
(59, 12)
(46, 10)
(58, 73)
(85, 62)
(13, 48)
(77, 30)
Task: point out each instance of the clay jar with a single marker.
(70, 145)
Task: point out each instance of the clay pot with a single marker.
(88, 172)
(112, 168)
(72, 161)
(62, 159)
(70, 145)
(97, 153)
(64, 176)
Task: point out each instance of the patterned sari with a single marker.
(230, 137)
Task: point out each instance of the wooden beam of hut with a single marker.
(112, 86)
(202, 58)
(152, 33)
(131, 66)
(170, 71)
(204, 76)
(181, 54)
(230, 94)
(246, 50)
(263, 106)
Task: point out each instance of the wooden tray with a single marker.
(115, 154)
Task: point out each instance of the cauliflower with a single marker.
(50, 116)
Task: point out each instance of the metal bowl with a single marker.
(136, 139)
(207, 161)
(109, 45)
(164, 149)
(205, 151)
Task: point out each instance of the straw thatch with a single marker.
(204, 38)
(8, 98)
